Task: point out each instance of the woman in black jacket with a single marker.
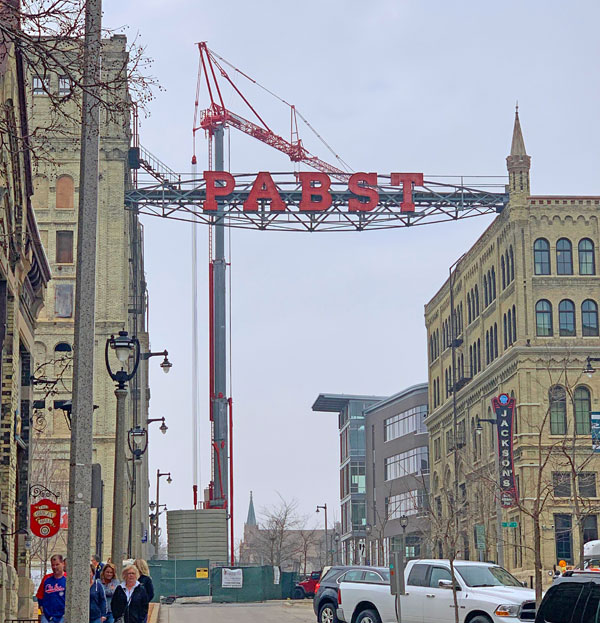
(145, 579)
(130, 600)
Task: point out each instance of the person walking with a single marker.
(108, 579)
(145, 579)
(97, 598)
(97, 564)
(52, 590)
(130, 600)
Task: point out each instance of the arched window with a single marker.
(493, 285)
(62, 347)
(514, 323)
(39, 201)
(589, 318)
(469, 314)
(487, 348)
(65, 193)
(564, 257)
(583, 406)
(511, 263)
(541, 256)
(566, 318)
(505, 333)
(495, 340)
(485, 292)
(478, 355)
(476, 301)
(543, 318)
(587, 264)
(503, 272)
(558, 410)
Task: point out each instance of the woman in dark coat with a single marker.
(130, 600)
(145, 579)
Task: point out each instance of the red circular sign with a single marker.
(45, 518)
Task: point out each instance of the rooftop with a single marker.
(334, 403)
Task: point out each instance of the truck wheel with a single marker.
(369, 616)
(327, 613)
(298, 594)
(480, 618)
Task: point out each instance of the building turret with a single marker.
(251, 519)
(518, 163)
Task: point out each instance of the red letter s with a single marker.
(356, 186)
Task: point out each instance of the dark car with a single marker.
(325, 601)
(572, 598)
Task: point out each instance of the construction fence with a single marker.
(198, 578)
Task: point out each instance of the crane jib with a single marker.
(315, 188)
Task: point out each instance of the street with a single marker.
(266, 612)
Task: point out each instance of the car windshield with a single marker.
(475, 575)
(591, 563)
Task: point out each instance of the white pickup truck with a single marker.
(486, 593)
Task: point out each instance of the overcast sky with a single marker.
(403, 85)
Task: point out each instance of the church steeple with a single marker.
(251, 519)
(518, 163)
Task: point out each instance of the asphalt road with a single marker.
(267, 612)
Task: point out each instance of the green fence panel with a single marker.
(288, 583)
(257, 585)
(179, 578)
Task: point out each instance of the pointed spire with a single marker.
(251, 519)
(518, 144)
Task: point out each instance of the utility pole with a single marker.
(120, 480)
(80, 471)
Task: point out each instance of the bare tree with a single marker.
(307, 538)
(275, 539)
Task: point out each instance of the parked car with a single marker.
(486, 593)
(306, 588)
(326, 591)
(574, 597)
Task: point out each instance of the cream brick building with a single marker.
(525, 319)
(120, 304)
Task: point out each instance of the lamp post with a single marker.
(500, 540)
(324, 507)
(163, 427)
(403, 524)
(166, 365)
(159, 475)
(589, 368)
(137, 440)
(336, 538)
(124, 347)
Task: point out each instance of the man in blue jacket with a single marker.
(53, 589)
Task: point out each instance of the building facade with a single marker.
(24, 274)
(121, 302)
(353, 470)
(397, 475)
(518, 316)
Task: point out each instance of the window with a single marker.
(64, 85)
(589, 318)
(437, 574)
(373, 577)
(586, 484)
(437, 449)
(408, 503)
(514, 324)
(476, 301)
(563, 525)
(503, 271)
(543, 318)
(505, 333)
(64, 247)
(541, 257)
(566, 318)
(62, 347)
(561, 601)
(354, 575)
(357, 477)
(587, 264)
(409, 421)
(590, 528)
(63, 300)
(558, 410)
(411, 462)
(564, 257)
(65, 192)
(493, 285)
(511, 264)
(40, 85)
(561, 484)
(485, 292)
(583, 406)
(418, 575)
(469, 312)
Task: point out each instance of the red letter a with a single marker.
(212, 190)
(315, 185)
(407, 180)
(264, 188)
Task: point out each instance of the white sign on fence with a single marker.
(276, 575)
(232, 578)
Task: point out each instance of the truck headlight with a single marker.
(508, 610)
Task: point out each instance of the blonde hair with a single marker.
(108, 565)
(142, 566)
(127, 568)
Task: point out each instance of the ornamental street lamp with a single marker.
(124, 346)
(137, 440)
(589, 369)
(163, 427)
(166, 365)
(159, 475)
(324, 507)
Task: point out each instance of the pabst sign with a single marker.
(45, 518)
(315, 191)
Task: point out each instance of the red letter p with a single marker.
(212, 190)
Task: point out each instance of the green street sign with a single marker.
(480, 536)
(509, 524)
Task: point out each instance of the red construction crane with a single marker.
(217, 114)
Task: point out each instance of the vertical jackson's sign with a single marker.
(504, 407)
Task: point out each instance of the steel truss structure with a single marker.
(435, 202)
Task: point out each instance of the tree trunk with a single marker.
(581, 556)
(537, 548)
(454, 592)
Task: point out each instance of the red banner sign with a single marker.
(45, 518)
(315, 191)
(504, 407)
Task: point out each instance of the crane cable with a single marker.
(239, 71)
